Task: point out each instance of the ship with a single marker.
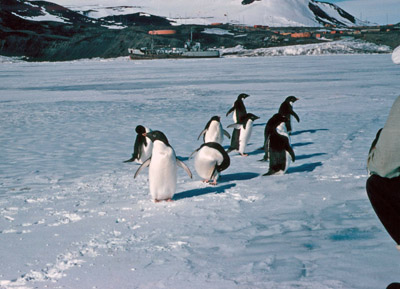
(191, 49)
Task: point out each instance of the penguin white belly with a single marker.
(146, 151)
(214, 133)
(244, 137)
(162, 172)
(281, 129)
(288, 158)
(235, 120)
(205, 161)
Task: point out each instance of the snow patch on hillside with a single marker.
(334, 47)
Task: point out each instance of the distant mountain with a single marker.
(247, 12)
(41, 30)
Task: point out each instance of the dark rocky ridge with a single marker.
(83, 37)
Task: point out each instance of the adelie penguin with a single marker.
(162, 168)
(238, 108)
(245, 127)
(286, 109)
(210, 159)
(279, 150)
(213, 132)
(270, 127)
(239, 111)
(142, 147)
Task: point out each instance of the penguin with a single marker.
(269, 127)
(142, 147)
(210, 160)
(239, 111)
(279, 149)
(245, 127)
(286, 109)
(213, 132)
(162, 168)
(238, 108)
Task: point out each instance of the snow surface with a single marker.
(72, 216)
(345, 46)
(44, 16)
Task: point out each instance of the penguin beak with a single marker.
(144, 134)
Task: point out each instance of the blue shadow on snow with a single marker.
(237, 177)
(308, 130)
(202, 191)
(301, 144)
(302, 157)
(304, 168)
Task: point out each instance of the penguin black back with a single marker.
(286, 109)
(226, 159)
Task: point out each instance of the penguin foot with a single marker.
(159, 201)
(213, 183)
(245, 155)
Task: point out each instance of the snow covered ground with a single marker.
(72, 216)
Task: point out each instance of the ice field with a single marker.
(73, 216)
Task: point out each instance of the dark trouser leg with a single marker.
(384, 195)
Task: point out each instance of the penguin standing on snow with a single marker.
(142, 147)
(270, 127)
(286, 109)
(279, 149)
(210, 160)
(213, 132)
(245, 128)
(239, 112)
(162, 168)
(238, 108)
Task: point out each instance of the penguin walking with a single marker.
(286, 109)
(142, 147)
(162, 168)
(213, 132)
(270, 127)
(210, 160)
(279, 150)
(245, 129)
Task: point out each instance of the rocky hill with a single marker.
(41, 30)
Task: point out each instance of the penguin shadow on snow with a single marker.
(238, 177)
(183, 159)
(304, 168)
(202, 191)
(302, 144)
(260, 124)
(303, 157)
(308, 131)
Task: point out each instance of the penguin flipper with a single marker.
(227, 134)
(191, 155)
(202, 133)
(130, 160)
(235, 125)
(291, 152)
(214, 172)
(142, 166)
(229, 111)
(184, 166)
(296, 116)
